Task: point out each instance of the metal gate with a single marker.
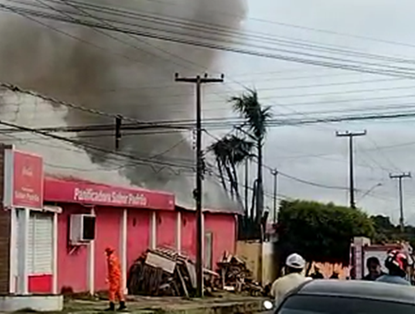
(40, 244)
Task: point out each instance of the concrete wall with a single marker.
(270, 263)
(107, 233)
(260, 259)
(166, 229)
(188, 234)
(223, 228)
(251, 253)
(31, 303)
(72, 261)
(138, 234)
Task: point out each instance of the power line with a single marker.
(172, 21)
(283, 174)
(303, 114)
(142, 160)
(113, 29)
(17, 89)
(269, 22)
(397, 72)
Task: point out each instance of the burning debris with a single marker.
(235, 276)
(164, 272)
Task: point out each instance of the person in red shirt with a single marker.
(114, 280)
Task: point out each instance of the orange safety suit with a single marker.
(114, 277)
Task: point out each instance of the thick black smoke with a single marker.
(135, 80)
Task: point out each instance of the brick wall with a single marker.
(4, 233)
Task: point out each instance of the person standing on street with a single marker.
(114, 280)
(373, 266)
(317, 273)
(294, 277)
(397, 265)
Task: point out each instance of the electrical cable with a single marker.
(210, 45)
(171, 21)
(303, 114)
(143, 161)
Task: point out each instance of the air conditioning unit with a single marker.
(82, 229)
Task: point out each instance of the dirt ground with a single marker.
(224, 304)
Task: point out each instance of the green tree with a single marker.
(256, 117)
(387, 232)
(232, 150)
(229, 152)
(320, 232)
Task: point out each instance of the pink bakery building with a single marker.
(54, 229)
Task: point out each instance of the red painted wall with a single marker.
(138, 234)
(166, 229)
(40, 284)
(72, 262)
(107, 233)
(73, 265)
(189, 234)
(223, 228)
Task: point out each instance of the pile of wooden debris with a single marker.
(235, 276)
(164, 272)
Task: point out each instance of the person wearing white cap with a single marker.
(294, 277)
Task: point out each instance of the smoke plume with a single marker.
(125, 75)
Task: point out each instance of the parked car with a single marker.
(348, 297)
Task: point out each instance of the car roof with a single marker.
(359, 289)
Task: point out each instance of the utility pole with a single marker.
(351, 136)
(399, 177)
(274, 172)
(246, 187)
(199, 81)
(260, 189)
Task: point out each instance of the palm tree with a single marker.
(230, 151)
(220, 151)
(255, 126)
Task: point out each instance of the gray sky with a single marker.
(310, 153)
(313, 153)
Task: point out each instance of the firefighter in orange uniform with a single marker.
(114, 280)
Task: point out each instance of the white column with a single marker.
(153, 230)
(123, 248)
(22, 279)
(179, 231)
(91, 264)
(55, 254)
(13, 269)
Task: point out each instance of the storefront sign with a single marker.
(73, 191)
(23, 179)
(91, 195)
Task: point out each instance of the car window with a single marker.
(302, 304)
